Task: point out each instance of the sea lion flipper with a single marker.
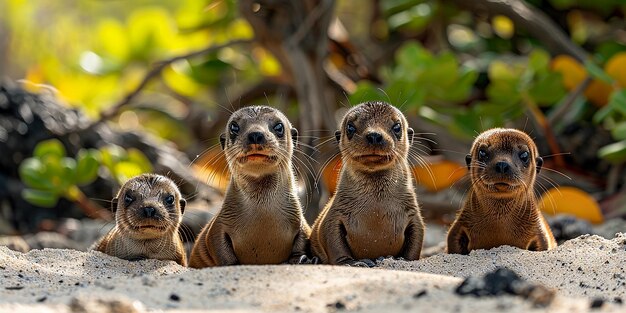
(222, 246)
(458, 240)
(338, 250)
(414, 237)
(301, 246)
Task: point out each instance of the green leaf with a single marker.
(125, 170)
(615, 152)
(42, 198)
(597, 72)
(617, 101)
(140, 159)
(49, 147)
(366, 91)
(412, 56)
(539, 60)
(602, 114)
(547, 89)
(68, 174)
(32, 172)
(87, 166)
(112, 154)
(619, 131)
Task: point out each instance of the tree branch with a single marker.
(537, 23)
(157, 68)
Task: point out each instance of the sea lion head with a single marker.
(503, 162)
(374, 136)
(258, 140)
(148, 206)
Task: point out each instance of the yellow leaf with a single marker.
(503, 26)
(211, 168)
(572, 71)
(439, 175)
(616, 68)
(113, 39)
(268, 65)
(330, 174)
(175, 78)
(598, 92)
(571, 200)
(500, 70)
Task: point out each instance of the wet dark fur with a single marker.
(505, 214)
(131, 238)
(374, 211)
(261, 220)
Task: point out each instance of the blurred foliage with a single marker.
(484, 73)
(95, 52)
(518, 77)
(50, 174)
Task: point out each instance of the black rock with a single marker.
(504, 281)
(566, 227)
(597, 303)
(27, 119)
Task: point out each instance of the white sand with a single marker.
(72, 281)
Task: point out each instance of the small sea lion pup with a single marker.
(501, 208)
(261, 220)
(148, 211)
(374, 211)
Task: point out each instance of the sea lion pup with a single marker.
(261, 220)
(374, 211)
(501, 208)
(148, 211)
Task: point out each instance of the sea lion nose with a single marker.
(149, 211)
(374, 138)
(502, 168)
(256, 138)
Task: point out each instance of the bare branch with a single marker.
(537, 23)
(157, 68)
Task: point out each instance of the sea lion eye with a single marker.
(279, 129)
(397, 128)
(482, 154)
(524, 156)
(350, 130)
(128, 199)
(169, 200)
(234, 128)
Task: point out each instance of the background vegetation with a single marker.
(175, 70)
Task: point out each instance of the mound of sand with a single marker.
(583, 272)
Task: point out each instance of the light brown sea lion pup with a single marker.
(501, 208)
(148, 211)
(261, 220)
(374, 211)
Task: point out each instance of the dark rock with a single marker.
(26, 119)
(566, 227)
(504, 281)
(174, 297)
(597, 303)
(420, 294)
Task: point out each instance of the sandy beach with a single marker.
(584, 272)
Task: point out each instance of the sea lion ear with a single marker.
(410, 132)
(114, 205)
(294, 136)
(337, 135)
(223, 141)
(539, 162)
(468, 160)
(182, 202)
